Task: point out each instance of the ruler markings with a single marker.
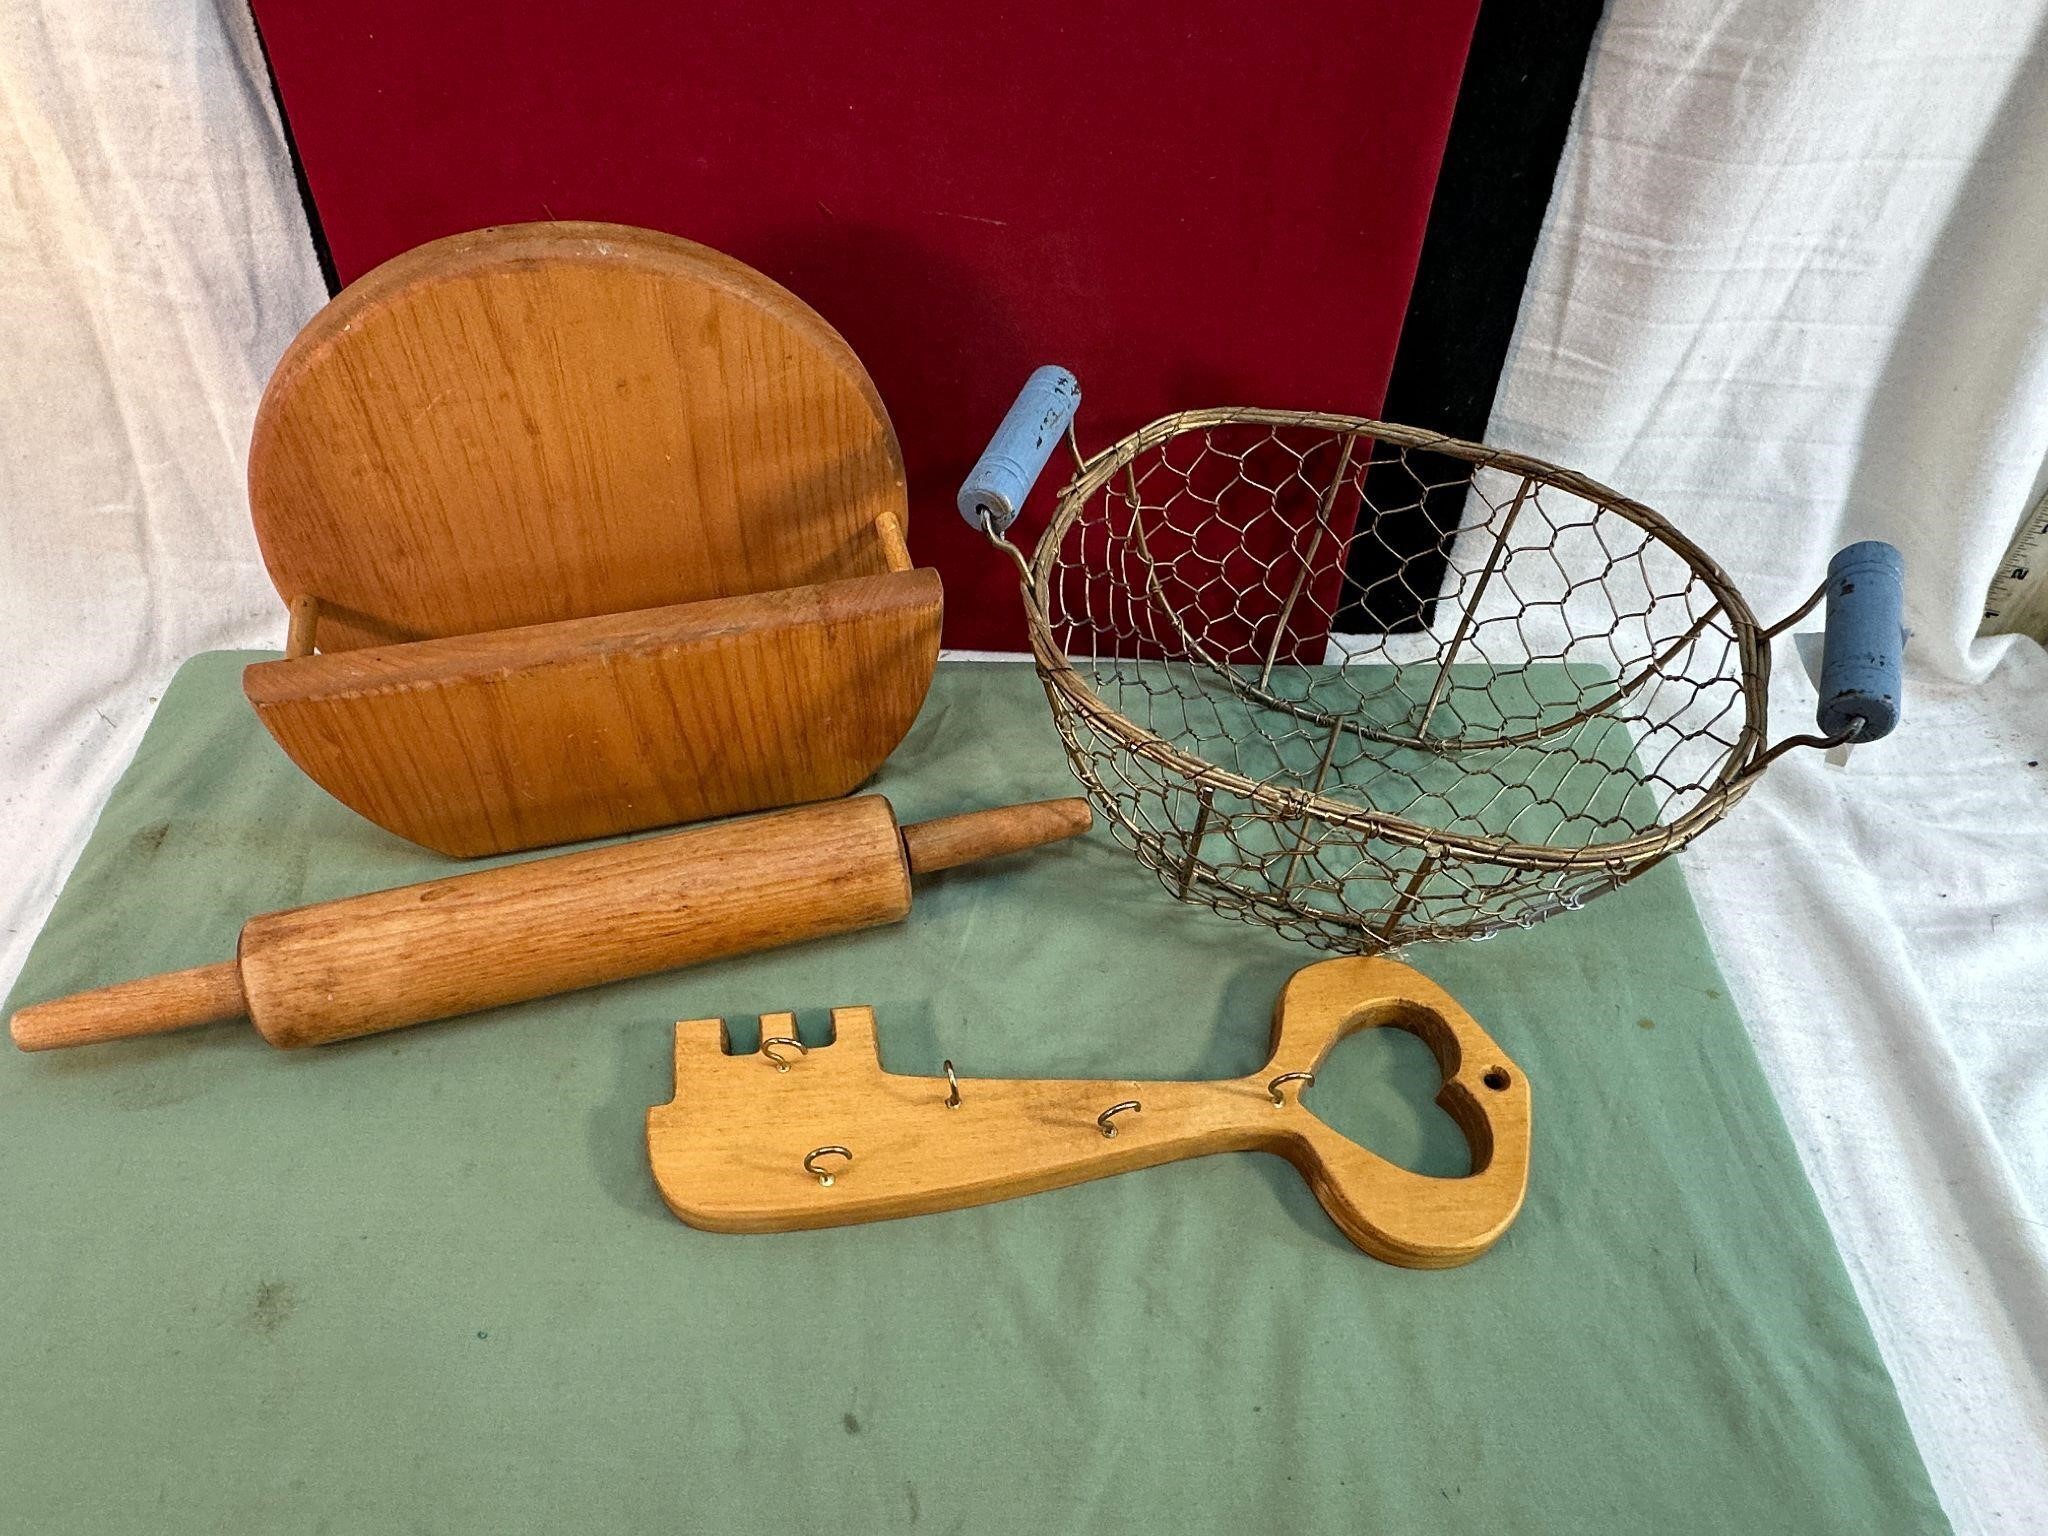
(2017, 603)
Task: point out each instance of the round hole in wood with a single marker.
(1496, 1078)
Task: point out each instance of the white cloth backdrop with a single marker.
(1790, 292)
(153, 264)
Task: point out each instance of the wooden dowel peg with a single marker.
(300, 636)
(895, 549)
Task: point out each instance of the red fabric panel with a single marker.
(1197, 203)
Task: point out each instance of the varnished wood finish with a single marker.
(392, 958)
(555, 733)
(728, 1152)
(602, 530)
(950, 841)
(155, 1005)
(556, 421)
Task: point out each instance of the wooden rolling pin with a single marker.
(392, 958)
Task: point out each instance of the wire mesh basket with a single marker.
(1552, 688)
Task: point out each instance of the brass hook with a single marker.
(1115, 1109)
(1273, 1087)
(953, 1087)
(775, 1040)
(811, 1162)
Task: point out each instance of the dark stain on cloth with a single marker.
(272, 1307)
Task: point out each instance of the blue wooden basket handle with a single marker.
(1864, 642)
(994, 491)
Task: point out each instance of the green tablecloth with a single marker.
(423, 1281)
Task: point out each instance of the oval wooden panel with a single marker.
(554, 421)
(559, 732)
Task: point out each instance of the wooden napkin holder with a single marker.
(582, 529)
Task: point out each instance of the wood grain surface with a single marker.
(392, 958)
(553, 733)
(386, 959)
(728, 1153)
(596, 530)
(947, 842)
(555, 421)
(151, 1005)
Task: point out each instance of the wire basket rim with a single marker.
(1059, 675)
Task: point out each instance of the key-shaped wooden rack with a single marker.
(794, 1137)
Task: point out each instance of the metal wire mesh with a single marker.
(1580, 693)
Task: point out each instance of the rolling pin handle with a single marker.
(994, 491)
(951, 841)
(155, 1005)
